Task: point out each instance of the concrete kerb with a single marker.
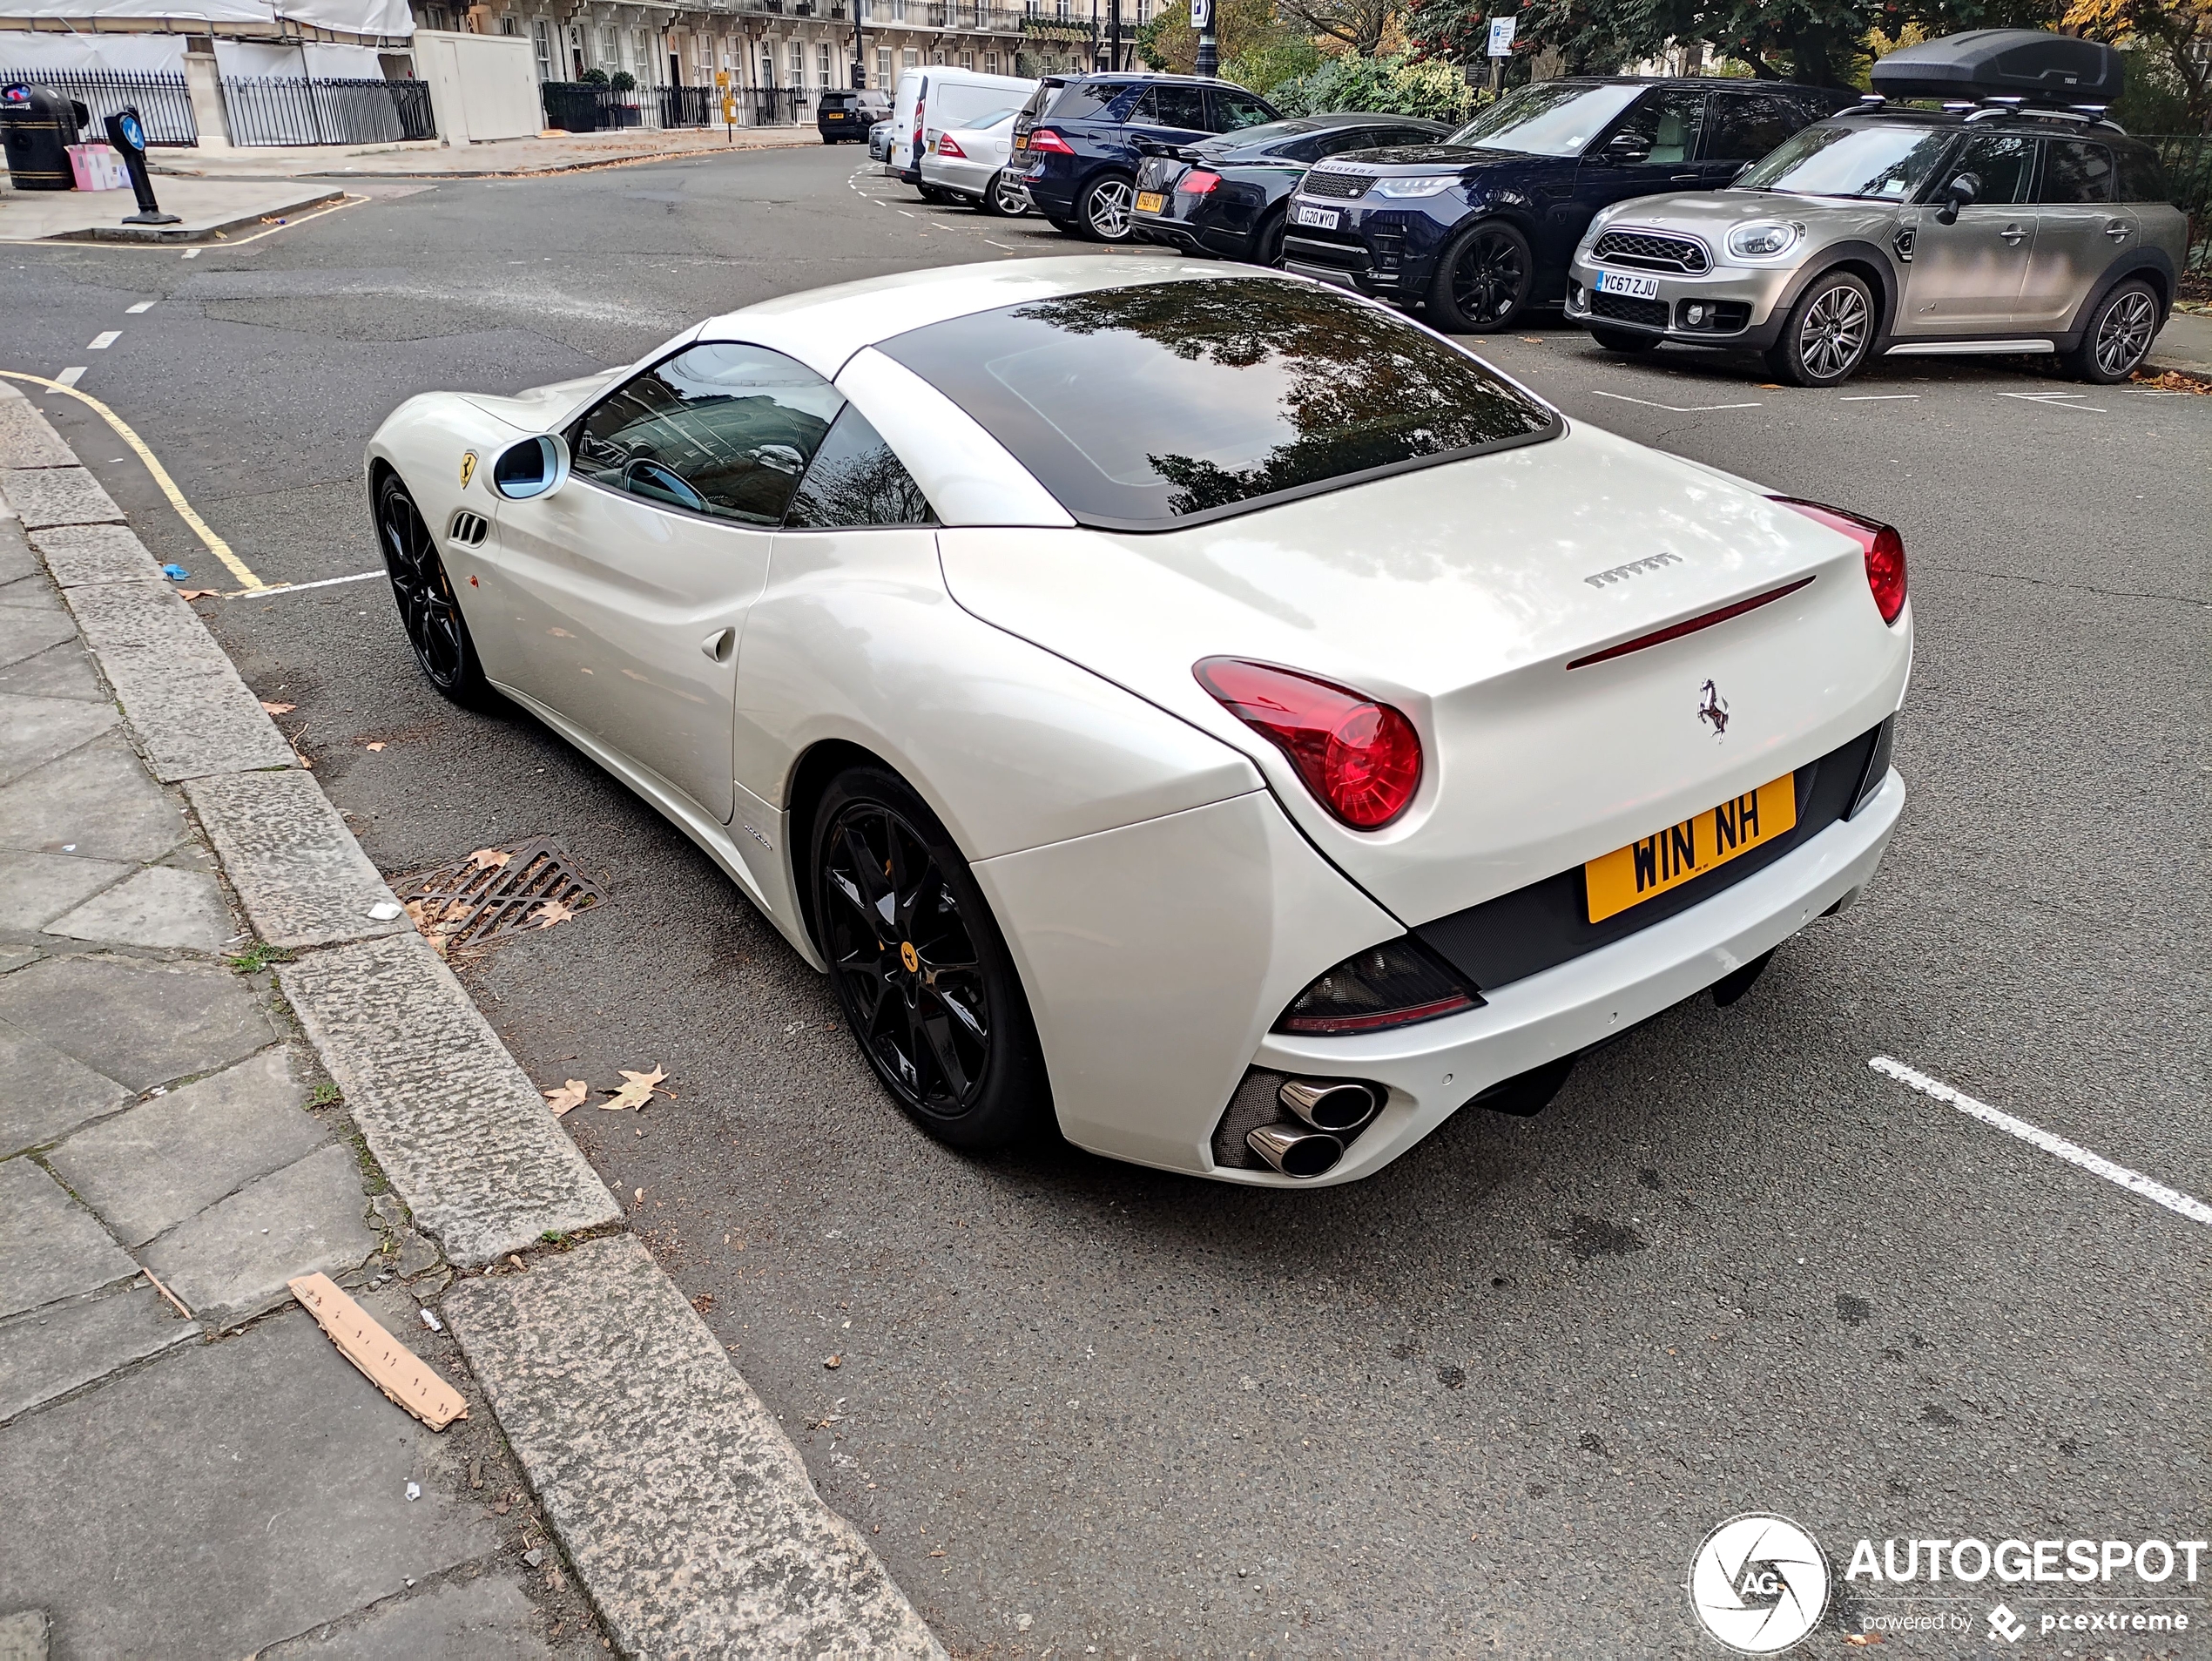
(685, 1511)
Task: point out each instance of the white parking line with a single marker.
(143, 306)
(1680, 409)
(293, 587)
(2055, 400)
(102, 341)
(2134, 1181)
(1881, 398)
(191, 253)
(70, 377)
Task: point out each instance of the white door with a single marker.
(624, 594)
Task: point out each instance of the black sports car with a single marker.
(1226, 195)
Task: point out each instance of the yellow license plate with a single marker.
(1151, 202)
(1670, 858)
(1020, 141)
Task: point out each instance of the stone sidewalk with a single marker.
(205, 207)
(501, 158)
(226, 1060)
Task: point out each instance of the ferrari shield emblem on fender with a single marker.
(467, 467)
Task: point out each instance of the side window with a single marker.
(721, 429)
(1660, 129)
(1347, 139)
(1408, 135)
(2141, 180)
(1743, 126)
(856, 480)
(2002, 161)
(2073, 171)
(1173, 106)
(1234, 108)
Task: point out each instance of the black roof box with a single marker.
(2032, 64)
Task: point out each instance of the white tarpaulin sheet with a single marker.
(390, 18)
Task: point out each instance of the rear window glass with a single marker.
(2141, 180)
(1165, 403)
(1082, 98)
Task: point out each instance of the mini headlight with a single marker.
(1761, 241)
(1425, 185)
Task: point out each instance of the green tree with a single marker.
(2179, 32)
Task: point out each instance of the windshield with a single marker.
(1144, 406)
(1883, 164)
(1550, 119)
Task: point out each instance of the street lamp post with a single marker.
(1209, 62)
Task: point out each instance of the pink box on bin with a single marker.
(97, 167)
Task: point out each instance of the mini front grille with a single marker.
(469, 529)
(1649, 253)
(1341, 187)
(1652, 313)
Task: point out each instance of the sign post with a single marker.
(729, 106)
(128, 138)
(1500, 49)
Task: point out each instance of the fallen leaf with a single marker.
(550, 912)
(833, 1362)
(279, 709)
(377, 746)
(490, 859)
(1860, 1640)
(638, 1089)
(196, 593)
(572, 1094)
(1532, 340)
(938, 1553)
(424, 915)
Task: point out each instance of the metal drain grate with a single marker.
(477, 901)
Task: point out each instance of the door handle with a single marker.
(2118, 230)
(1683, 178)
(719, 646)
(2012, 234)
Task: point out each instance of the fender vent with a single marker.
(1902, 243)
(470, 529)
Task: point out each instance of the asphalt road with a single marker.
(1493, 1398)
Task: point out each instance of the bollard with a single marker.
(128, 138)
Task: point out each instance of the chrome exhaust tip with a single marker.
(1295, 1150)
(1333, 1104)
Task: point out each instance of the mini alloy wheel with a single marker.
(1484, 279)
(1829, 336)
(1106, 208)
(429, 611)
(921, 969)
(2117, 338)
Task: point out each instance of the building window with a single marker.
(767, 67)
(609, 50)
(797, 58)
(910, 57)
(990, 62)
(542, 43)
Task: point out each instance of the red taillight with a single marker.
(1362, 759)
(948, 145)
(1883, 547)
(1198, 182)
(1045, 141)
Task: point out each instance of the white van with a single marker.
(936, 97)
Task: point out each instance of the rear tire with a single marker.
(1483, 281)
(1621, 339)
(1103, 211)
(2117, 337)
(922, 972)
(1267, 240)
(1830, 335)
(1005, 199)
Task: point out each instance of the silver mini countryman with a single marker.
(1994, 218)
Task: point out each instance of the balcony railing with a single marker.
(960, 15)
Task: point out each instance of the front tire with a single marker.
(1483, 281)
(429, 609)
(2117, 338)
(1621, 339)
(1829, 334)
(921, 971)
(1104, 212)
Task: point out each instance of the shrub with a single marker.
(624, 81)
(595, 77)
(1400, 85)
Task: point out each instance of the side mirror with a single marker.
(1959, 192)
(1740, 171)
(1627, 146)
(534, 468)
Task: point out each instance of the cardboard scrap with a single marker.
(389, 1364)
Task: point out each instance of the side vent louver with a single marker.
(470, 529)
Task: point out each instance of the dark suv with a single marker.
(1483, 226)
(843, 114)
(1083, 135)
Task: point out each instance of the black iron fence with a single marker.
(2188, 161)
(268, 110)
(592, 107)
(778, 106)
(164, 102)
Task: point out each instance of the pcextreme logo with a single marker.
(1758, 1583)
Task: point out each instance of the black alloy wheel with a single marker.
(2117, 337)
(429, 611)
(1267, 240)
(1483, 281)
(1830, 335)
(921, 971)
(1622, 340)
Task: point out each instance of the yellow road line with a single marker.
(216, 545)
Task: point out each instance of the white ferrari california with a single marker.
(1207, 709)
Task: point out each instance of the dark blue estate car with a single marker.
(1482, 226)
(1079, 136)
